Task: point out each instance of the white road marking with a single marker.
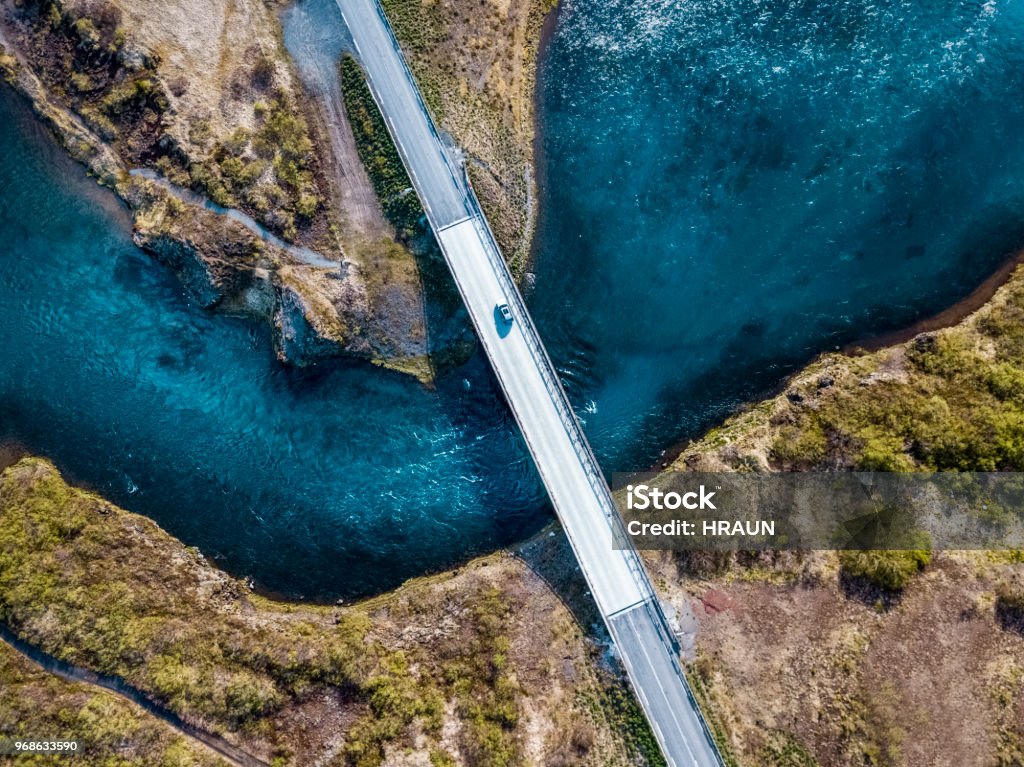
(617, 580)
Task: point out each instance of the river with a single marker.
(728, 189)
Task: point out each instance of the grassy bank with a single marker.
(475, 62)
(850, 648)
(482, 666)
(112, 731)
(948, 400)
(126, 75)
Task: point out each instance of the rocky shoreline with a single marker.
(134, 119)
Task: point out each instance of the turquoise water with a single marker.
(340, 479)
(732, 186)
(729, 188)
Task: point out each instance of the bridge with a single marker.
(577, 488)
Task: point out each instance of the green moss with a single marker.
(133, 96)
(800, 446)
(441, 758)
(486, 693)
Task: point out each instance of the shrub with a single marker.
(81, 82)
(87, 34)
(378, 152)
(887, 570)
(307, 206)
(263, 71)
(1010, 604)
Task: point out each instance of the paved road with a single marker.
(617, 579)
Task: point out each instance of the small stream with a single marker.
(305, 255)
(121, 688)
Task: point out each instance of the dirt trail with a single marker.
(315, 38)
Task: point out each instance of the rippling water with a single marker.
(341, 479)
(730, 187)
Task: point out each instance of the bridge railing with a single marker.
(547, 369)
(540, 356)
(584, 453)
(566, 414)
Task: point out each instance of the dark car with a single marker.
(506, 313)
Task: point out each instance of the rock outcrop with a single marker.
(203, 95)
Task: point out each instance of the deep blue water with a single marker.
(336, 480)
(730, 187)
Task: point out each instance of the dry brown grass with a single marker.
(476, 63)
(794, 660)
(479, 666)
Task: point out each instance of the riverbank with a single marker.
(37, 701)
(851, 649)
(946, 318)
(232, 124)
(950, 317)
(476, 64)
(939, 401)
(481, 665)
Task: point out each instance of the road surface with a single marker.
(618, 582)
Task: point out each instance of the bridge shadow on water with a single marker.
(551, 559)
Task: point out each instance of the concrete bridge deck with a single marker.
(577, 488)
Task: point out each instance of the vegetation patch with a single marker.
(379, 155)
(701, 680)
(852, 685)
(955, 403)
(475, 63)
(90, 63)
(112, 731)
(267, 171)
(436, 667)
(74, 582)
(261, 156)
(621, 708)
(1010, 603)
(887, 570)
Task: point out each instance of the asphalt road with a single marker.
(433, 174)
(618, 582)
